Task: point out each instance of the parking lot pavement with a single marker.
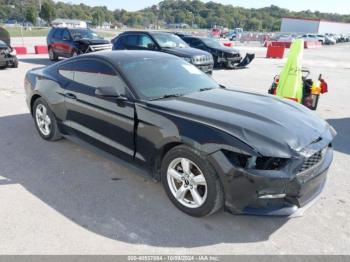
(61, 198)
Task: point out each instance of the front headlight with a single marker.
(253, 162)
(187, 59)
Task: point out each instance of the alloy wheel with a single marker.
(43, 120)
(187, 182)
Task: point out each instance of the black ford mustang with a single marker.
(209, 146)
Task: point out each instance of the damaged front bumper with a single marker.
(285, 192)
(235, 62)
(7, 60)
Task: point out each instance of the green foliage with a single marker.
(205, 15)
(31, 14)
(47, 11)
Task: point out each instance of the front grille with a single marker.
(202, 59)
(95, 48)
(311, 161)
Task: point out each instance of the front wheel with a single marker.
(52, 54)
(190, 182)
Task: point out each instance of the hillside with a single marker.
(205, 15)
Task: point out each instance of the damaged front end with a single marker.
(8, 57)
(258, 185)
(85, 46)
(234, 60)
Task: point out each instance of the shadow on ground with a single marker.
(342, 140)
(36, 61)
(111, 198)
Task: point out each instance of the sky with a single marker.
(335, 6)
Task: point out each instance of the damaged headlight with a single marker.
(254, 162)
(13, 52)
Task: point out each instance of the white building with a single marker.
(69, 23)
(316, 26)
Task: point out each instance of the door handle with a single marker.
(71, 96)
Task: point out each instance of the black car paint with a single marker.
(223, 56)
(7, 59)
(234, 121)
(186, 52)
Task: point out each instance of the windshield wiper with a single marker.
(167, 96)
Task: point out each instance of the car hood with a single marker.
(226, 50)
(185, 51)
(271, 126)
(3, 45)
(92, 41)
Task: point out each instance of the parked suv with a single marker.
(167, 43)
(68, 42)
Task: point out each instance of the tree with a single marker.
(98, 17)
(31, 15)
(47, 11)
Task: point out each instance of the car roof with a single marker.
(125, 56)
(145, 32)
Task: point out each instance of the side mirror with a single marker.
(109, 92)
(152, 46)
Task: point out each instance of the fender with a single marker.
(159, 131)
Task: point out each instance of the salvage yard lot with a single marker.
(61, 198)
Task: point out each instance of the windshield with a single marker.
(166, 40)
(154, 78)
(211, 42)
(3, 44)
(78, 34)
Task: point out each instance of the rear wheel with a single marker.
(52, 54)
(191, 182)
(45, 121)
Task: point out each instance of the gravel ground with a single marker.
(61, 198)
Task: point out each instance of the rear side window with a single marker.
(91, 74)
(119, 43)
(57, 34)
(196, 42)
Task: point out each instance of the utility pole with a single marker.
(40, 4)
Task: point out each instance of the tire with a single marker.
(74, 53)
(197, 197)
(45, 122)
(15, 63)
(52, 55)
(230, 65)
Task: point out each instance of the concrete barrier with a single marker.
(312, 44)
(280, 43)
(20, 50)
(40, 49)
(275, 51)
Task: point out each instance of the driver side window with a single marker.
(145, 41)
(91, 74)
